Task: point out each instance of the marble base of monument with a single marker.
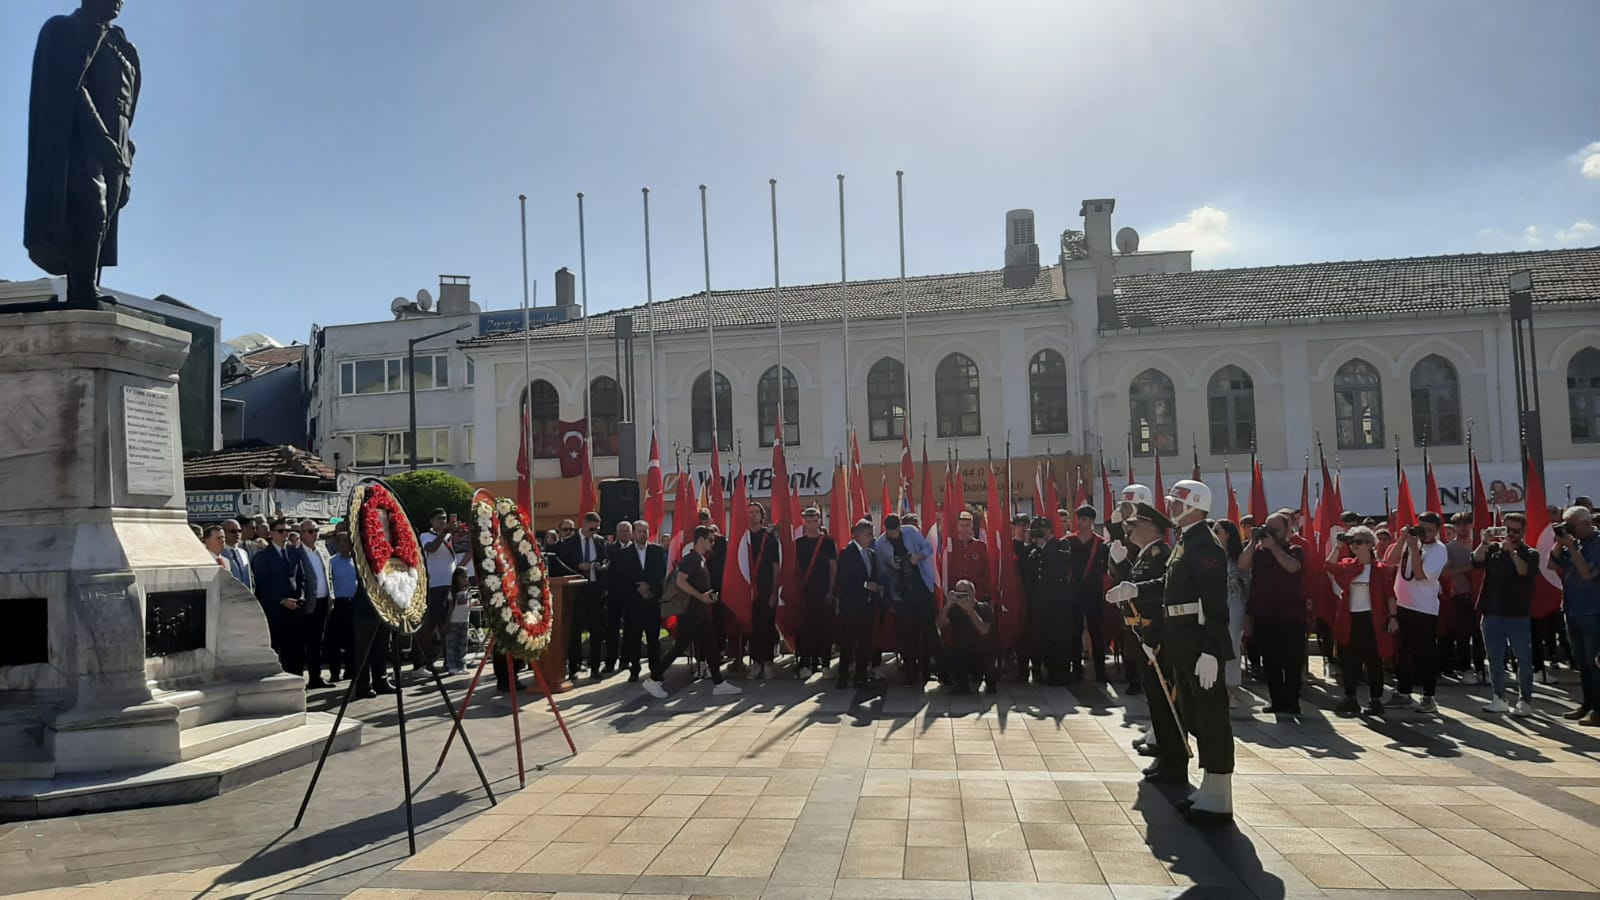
(131, 660)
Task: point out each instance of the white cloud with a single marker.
(1205, 231)
(1531, 234)
(1589, 160)
(1581, 230)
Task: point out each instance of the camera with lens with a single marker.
(1258, 534)
(1414, 531)
(1343, 538)
(1559, 531)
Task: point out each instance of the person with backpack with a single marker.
(689, 587)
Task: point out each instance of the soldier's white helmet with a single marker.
(1137, 493)
(1187, 496)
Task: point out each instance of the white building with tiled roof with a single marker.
(1087, 350)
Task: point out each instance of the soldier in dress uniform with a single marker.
(1047, 578)
(1195, 643)
(1143, 528)
(1122, 553)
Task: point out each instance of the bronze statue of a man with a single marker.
(85, 90)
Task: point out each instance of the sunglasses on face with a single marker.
(280, 531)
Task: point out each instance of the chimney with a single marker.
(565, 295)
(455, 295)
(1097, 244)
(1022, 250)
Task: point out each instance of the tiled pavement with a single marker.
(801, 791)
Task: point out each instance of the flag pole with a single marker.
(1011, 500)
(711, 325)
(527, 356)
(650, 314)
(844, 304)
(905, 311)
(777, 306)
(588, 379)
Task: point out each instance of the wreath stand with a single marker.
(516, 711)
(405, 757)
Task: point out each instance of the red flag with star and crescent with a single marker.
(573, 436)
(655, 492)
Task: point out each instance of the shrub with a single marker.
(423, 491)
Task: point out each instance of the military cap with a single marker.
(1148, 513)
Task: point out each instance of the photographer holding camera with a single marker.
(1275, 612)
(964, 622)
(1419, 559)
(1360, 620)
(1577, 558)
(1509, 568)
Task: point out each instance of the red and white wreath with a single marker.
(388, 558)
(510, 577)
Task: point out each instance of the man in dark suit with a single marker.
(618, 594)
(585, 554)
(860, 593)
(637, 578)
(280, 585)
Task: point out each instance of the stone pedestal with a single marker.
(96, 542)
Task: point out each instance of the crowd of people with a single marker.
(1406, 607)
(318, 616)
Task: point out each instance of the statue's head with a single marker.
(102, 10)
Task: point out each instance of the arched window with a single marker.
(1153, 419)
(1231, 408)
(1047, 392)
(700, 407)
(544, 412)
(955, 397)
(605, 411)
(1435, 402)
(886, 399)
(767, 407)
(1583, 395)
(1358, 406)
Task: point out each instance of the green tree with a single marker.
(423, 491)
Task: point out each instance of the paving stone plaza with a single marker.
(799, 791)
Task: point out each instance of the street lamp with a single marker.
(1526, 365)
(411, 382)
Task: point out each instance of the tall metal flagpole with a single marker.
(777, 301)
(588, 380)
(650, 314)
(711, 322)
(844, 304)
(527, 355)
(905, 313)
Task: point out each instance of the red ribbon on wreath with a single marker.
(375, 536)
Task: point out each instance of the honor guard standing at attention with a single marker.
(1144, 528)
(1195, 643)
(1122, 553)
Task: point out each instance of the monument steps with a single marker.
(259, 756)
(24, 752)
(214, 737)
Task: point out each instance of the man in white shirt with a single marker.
(439, 558)
(313, 619)
(1419, 559)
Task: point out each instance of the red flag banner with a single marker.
(1105, 492)
(1547, 590)
(573, 437)
(928, 508)
(994, 527)
(1160, 491)
(735, 574)
(858, 484)
(839, 523)
(785, 518)
(587, 501)
(1258, 496)
(1405, 512)
(719, 512)
(908, 472)
(1431, 497)
(1481, 516)
(887, 505)
(1052, 501)
(524, 474)
(655, 492)
(1233, 499)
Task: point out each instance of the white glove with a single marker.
(1116, 514)
(1150, 652)
(1122, 593)
(1119, 552)
(1205, 669)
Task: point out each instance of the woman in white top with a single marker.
(1361, 617)
(1227, 534)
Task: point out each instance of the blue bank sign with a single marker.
(502, 320)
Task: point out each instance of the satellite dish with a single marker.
(424, 300)
(1127, 240)
(399, 304)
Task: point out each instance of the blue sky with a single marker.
(305, 160)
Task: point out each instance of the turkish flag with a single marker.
(573, 437)
(655, 495)
(1233, 499)
(1547, 588)
(736, 568)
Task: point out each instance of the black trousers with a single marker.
(918, 638)
(428, 643)
(1418, 665)
(1462, 650)
(1089, 612)
(368, 627)
(1205, 712)
(303, 632)
(1163, 724)
(1361, 656)
(700, 627)
(1549, 641)
(814, 643)
(616, 614)
(856, 624)
(969, 664)
(1283, 658)
(338, 644)
(641, 618)
(1134, 662)
(589, 615)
